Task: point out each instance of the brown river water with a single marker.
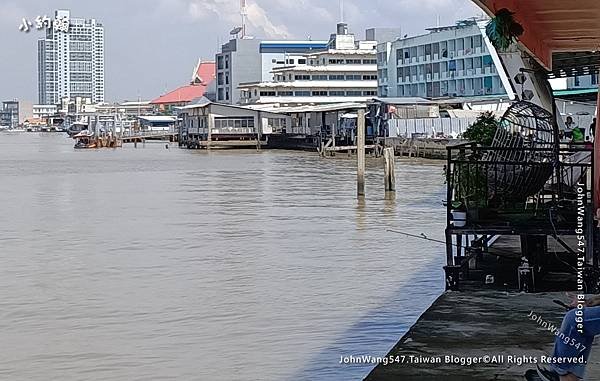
(160, 264)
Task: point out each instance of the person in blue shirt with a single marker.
(573, 342)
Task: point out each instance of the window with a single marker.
(353, 61)
(369, 92)
(319, 77)
(301, 61)
(369, 77)
(302, 93)
(285, 93)
(302, 77)
(234, 124)
(487, 61)
(337, 93)
(336, 77)
(80, 56)
(353, 93)
(319, 93)
(82, 77)
(353, 77)
(370, 62)
(267, 93)
(336, 61)
(276, 123)
(469, 63)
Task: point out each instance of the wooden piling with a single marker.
(389, 170)
(360, 154)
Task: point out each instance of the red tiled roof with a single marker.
(182, 94)
(204, 72)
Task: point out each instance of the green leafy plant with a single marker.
(470, 185)
(482, 131)
(503, 30)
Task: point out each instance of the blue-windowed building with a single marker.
(450, 61)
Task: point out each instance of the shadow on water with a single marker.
(378, 330)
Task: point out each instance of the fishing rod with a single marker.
(424, 237)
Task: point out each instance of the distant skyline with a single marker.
(153, 45)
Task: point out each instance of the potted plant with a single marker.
(459, 214)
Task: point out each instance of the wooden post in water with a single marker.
(389, 171)
(211, 124)
(360, 154)
(259, 128)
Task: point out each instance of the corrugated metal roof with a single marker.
(314, 84)
(327, 68)
(309, 108)
(158, 118)
(559, 93)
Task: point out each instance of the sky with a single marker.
(152, 46)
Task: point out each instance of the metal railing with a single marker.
(501, 194)
(153, 132)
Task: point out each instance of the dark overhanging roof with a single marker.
(570, 64)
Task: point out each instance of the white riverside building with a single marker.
(250, 60)
(346, 71)
(451, 61)
(71, 64)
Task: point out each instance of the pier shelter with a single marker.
(209, 125)
(327, 127)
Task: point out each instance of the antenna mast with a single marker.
(243, 13)
(341, 10)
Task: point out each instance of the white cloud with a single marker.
(228, 10)
(258, 18)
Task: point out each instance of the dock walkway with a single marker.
(478, 323)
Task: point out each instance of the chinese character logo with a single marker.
(60, 24)
(43, 22)
(25, 24)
